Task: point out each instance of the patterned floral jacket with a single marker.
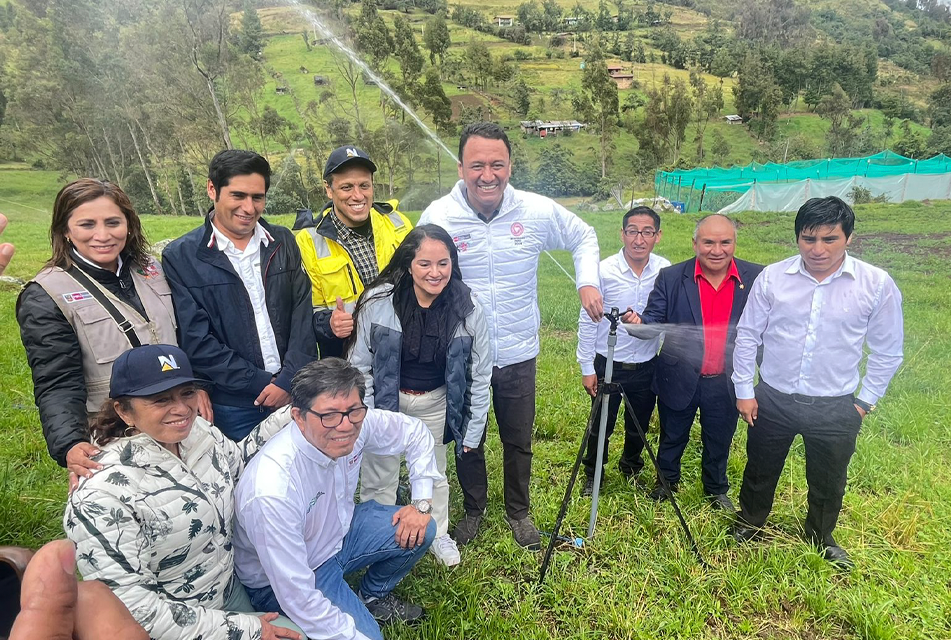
(157, 529)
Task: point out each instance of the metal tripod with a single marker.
(599, 408)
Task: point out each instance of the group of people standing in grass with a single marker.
(218, 410)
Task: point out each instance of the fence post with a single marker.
(702, 191)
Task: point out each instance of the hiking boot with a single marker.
(466, 529)
(445, 550)
(391, 609)
(525, 533)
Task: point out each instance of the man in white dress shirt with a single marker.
(813, 314)
(627, 279)
(298, 532)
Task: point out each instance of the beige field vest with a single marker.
(100, 340)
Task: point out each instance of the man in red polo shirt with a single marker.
(704, 297)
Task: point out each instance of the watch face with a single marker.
(423, 506)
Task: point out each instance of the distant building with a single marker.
(615, 68)
(733, 119)
(321, 81)
(504, 21)
(623, 80)
(280, 91)
(545, 128)
(571, 21)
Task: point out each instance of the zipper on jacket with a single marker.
(495, 309)
(353, 283)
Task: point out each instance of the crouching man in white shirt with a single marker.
(298, 531)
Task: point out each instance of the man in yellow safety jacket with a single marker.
(344, 248)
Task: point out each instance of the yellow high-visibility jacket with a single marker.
(331, 269)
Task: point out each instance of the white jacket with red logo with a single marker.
(499, 260)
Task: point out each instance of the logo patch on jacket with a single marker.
(355, 459)
(76, 296)
(517, 229)
(313, 501)
(150, 271)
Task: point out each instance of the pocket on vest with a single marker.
(101, 334)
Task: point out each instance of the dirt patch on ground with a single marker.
(467, 99)
(939, 244)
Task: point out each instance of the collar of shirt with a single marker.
(346, 233)
(847, 267)
(732, 273)
(651, 268)
(305, 447)
(483, 218)
(93, 264)
(225, 244)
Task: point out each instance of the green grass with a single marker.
(636, 578)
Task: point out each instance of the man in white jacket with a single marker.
(500, 232)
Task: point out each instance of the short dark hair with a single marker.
(642, 211)
(237, 162)
(488, 130)
(335, 376)
(825, 212)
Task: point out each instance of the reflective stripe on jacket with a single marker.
(331, 269)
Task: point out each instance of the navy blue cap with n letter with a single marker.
(149, 369)
(346, 155)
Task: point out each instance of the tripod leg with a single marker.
(662, 479)
(553, 540)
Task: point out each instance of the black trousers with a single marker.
(513, 402)
(636, 380)
(718, 417)
(829, 428)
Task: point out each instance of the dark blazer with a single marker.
(675, 299)
(216, 325)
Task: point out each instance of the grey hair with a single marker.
(713, 215)
(333, 376)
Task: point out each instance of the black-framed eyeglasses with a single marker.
(332, 419)
(647, 234)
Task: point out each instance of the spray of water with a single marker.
(318, 25)
(688, 334)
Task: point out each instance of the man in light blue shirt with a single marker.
(627, 279)
(813, 314)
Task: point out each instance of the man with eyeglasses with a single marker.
(627, 278)
(699, 302)
(298, 532)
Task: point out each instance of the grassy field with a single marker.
(637, 578)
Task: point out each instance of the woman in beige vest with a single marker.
(100, 275)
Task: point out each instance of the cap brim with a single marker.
(364, 161)
(159, 387)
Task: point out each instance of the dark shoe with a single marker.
(659, 493)
(466, 529)
(587, 489)
(743, 532)
(839, 557)
(722, 502)
(525, 533)
(391, 609)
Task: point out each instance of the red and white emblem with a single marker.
(517, 229)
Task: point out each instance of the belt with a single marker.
(627, 366)
(799, 398)
(413, 392)
(712, 375)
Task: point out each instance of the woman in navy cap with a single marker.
(155, 523)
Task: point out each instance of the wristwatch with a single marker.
(425, 507)
(866, 407)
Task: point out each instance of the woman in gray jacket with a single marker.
(421, 339)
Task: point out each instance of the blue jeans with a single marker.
(237, 422)
(371, 544)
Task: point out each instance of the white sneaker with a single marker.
(445, 550)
